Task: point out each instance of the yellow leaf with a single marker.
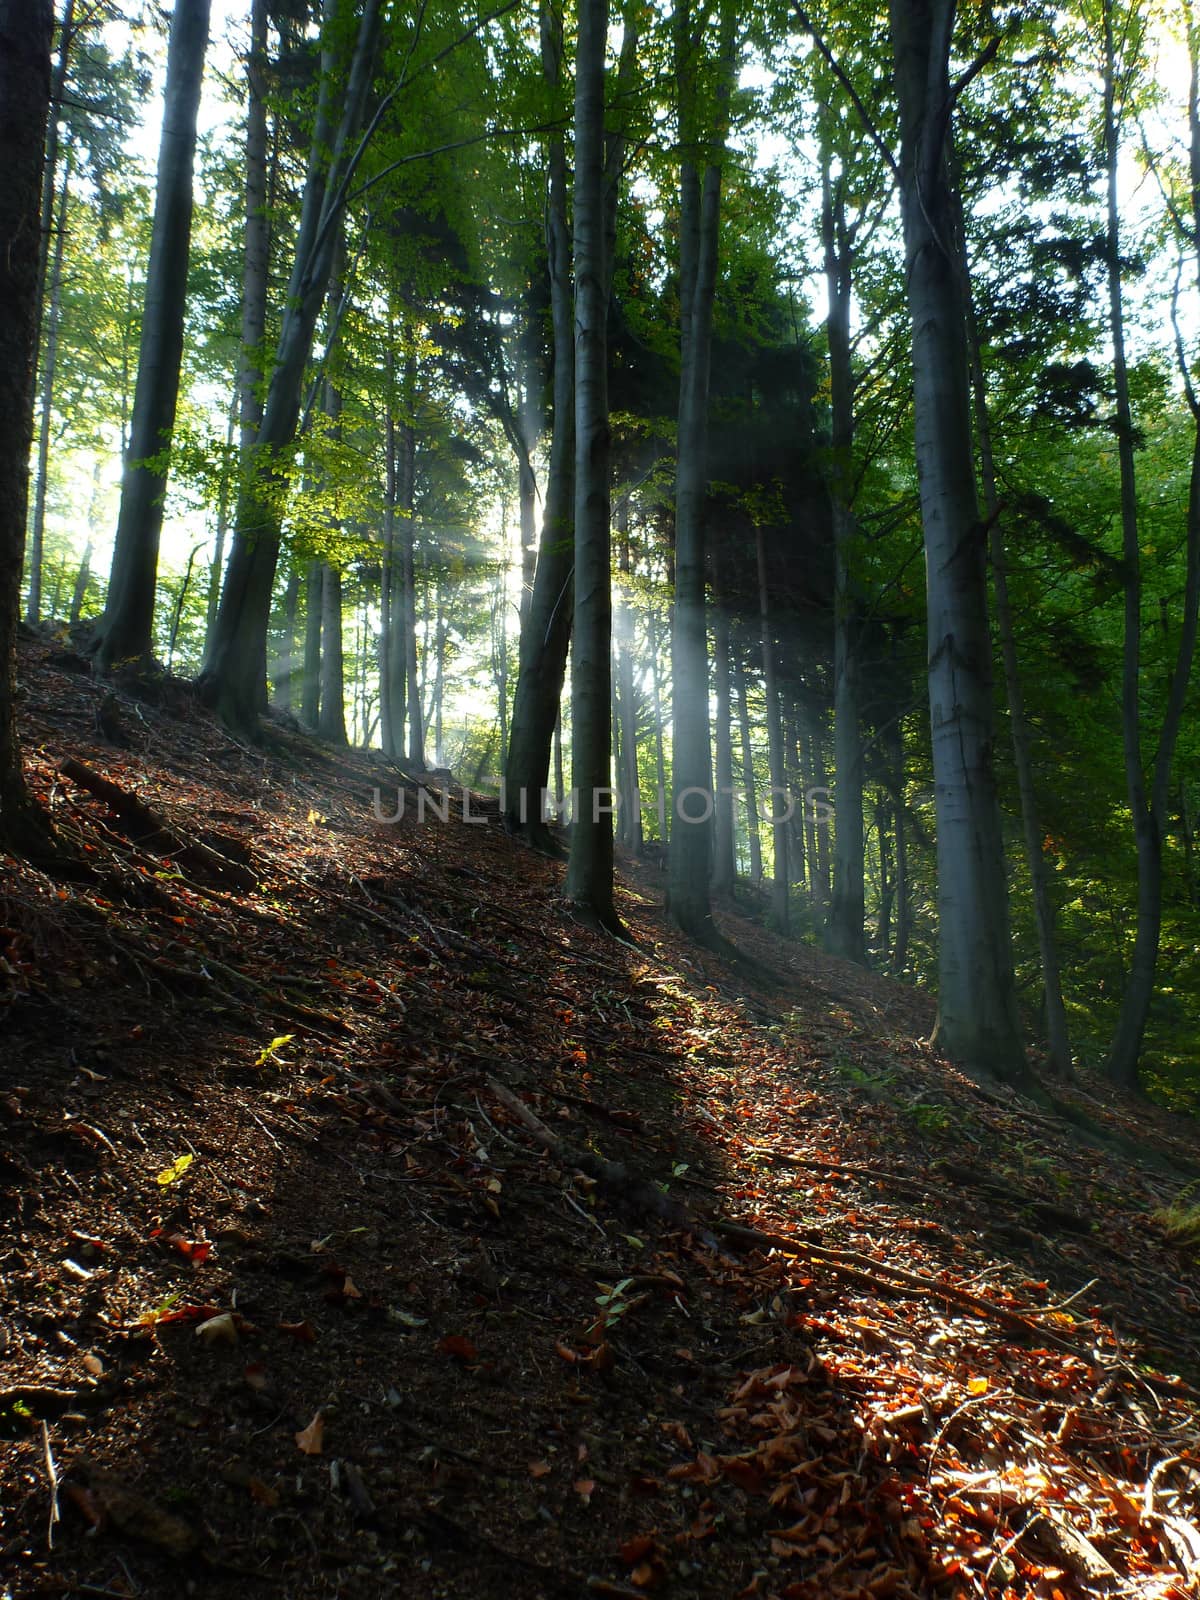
(977, 1386)
(176, 1170)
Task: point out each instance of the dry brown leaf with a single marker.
(310, 1439)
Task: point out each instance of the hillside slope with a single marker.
(370, 1227)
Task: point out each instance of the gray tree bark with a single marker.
(589, 881)
(977, 1021)
(776, 753)
(234, 676)
(1148, 791)
(845, 930)
(699, 215)
(126, 628)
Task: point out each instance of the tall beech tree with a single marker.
(977, 1007)
(25, 30)
(702, 111)
(234, 676)
(126, 628)
(589, 883)
(1147, 772)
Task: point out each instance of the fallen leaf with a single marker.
(256, 1375)
(584, 1488)
(262, 1492)
(539, 1469)
(176, 1170)
(310, 1439)
(461, 1349)
(304, 1331)
(637, 1549)
(221, 1329)
(977, 1386)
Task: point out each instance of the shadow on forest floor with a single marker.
(294, 1291)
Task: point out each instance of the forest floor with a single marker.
(371, 1227)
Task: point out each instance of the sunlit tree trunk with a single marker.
(546, 626)
(331, 720)
(702, 136)
(977, 1022)
(233, 678)
(749, 785)
(724, 871)
(52, 300)
(589, 882)
(126, 628)
(25, 30)
(776, 755)
(310, 678)
(286, 669)
(631, 800)
(845, 933)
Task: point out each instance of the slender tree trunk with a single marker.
(25, 31)
(126, 629)
(310, 678)
(977, 1024)
(560, 788)
(37, 534)
(589, 882)
(234, 672)
(331, 722)
(408, 602)
(724, 874)
(546, 627)
(256, 257)
(1058, 1046)
(285, 678)
(661, 797)
(749, 786)
(775, 748)
(1148, 799)
(83, 577)
(699, 215)
(631, 799)
(180, 602)
(845, 933)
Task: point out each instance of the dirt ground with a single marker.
(370, 1227)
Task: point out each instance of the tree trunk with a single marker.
(630, 786)
(1058, 1046)
(699, 215)
(724, 871)
(660, 762)
(331, 721)
(977, 1023)
(37, 533)
(256, 256)
(1148, 801)
(126, 629)
(546, 625)
(777, 760)
(25, 31)
(233, 678)
(310, 678)
(589, 882)
(845, 933)
(749, 786)
(285, 675)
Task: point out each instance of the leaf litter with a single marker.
(651, 1276)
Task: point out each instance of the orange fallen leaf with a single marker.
(584, 1488)
(539, 1469)
(310, 1439)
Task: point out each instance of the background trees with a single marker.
(850, 281)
